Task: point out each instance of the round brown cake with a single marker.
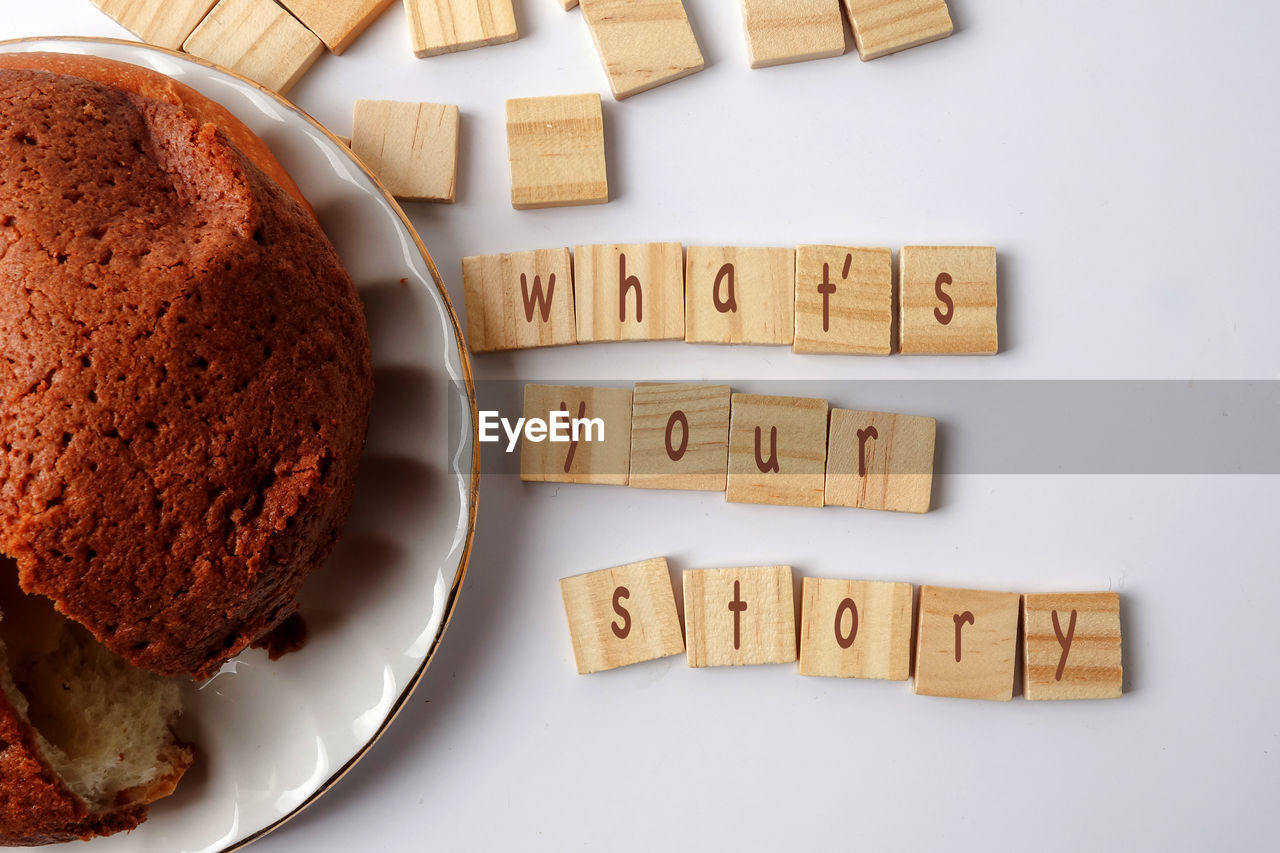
(185, 374)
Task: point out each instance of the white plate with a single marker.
(271, 737)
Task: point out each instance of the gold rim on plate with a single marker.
(473, 493)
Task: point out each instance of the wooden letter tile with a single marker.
(591, 458)
(258, 39)
(411, 147)
(447, 26)
(166, 23)
(622, 616)
(739, 616)
(855, 629)
(556, 148)
(844, 300)
(680, 437)
(881, 27)
(629, 293)
(947, 300)
(520, 300)
(567, 4)
(782, 31)
(739, 296)
(777, 450)
(642, 43)
(966, 641)
(876, 460)
(336, 22)
(1072, 647)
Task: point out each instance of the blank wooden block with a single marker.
(447, 26)
(556, 149)
(680, 437)
(881, 27)
(411, 147)
(588, 459)
(258, 39)
(336, 22)
(856, 629)
(567, 4)
(739, 295)
(519, 300)
(735, 617)
(629, 292)
(947, 300)
(877, 460)
(844, 300)
(782, 31)
(777, 450)
(166, 23)
(622, 616)
(1072, 646)
(966, 640)
(642, 43)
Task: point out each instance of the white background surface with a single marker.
(1122, 159)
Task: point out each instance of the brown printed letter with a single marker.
(737, 606)
(847, 604)
(960, 619)
(943, 317)
(772, 464)
(625, 283)
(621, 631)
(1065, 642)
(676, 453)
(729, 305)
(863, 435)
(573, 440)
(537, 299)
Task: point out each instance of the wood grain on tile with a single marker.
(258, 39)
(966, 642)
(782, 31)
(447, 26)
(411, 147)
(680, 436)
(1072, 646)
(736, 617)
(882, 27)
(629, 292)
(519, 300)
(947, 300)
(642, 43)
(878, 460)
(844, 300)
(856, 629)
(777, 450)
(336, 22)
(555, 146)
(622, 616)
(166, 23)
(598, 449)
(738, 295)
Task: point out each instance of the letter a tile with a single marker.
(622, 616)
(777, 450)
(739, 616)
(600, 452)
(966, 642)
(1072, 648)
(739, 295)
(519, 300)
(629, 293)
(680, 437)
(855, 629)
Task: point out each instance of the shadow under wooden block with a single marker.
(1072, 646)
(622, 616)
(593, 443)
(642, 43)
(777, 450)
(877, 460)
(735, 617)
(844, 300)
(739, 295)
(966, 643)
(947, 300)
(166, 23)
(782, 31)
(448, 26)
(411, 147)
(519, 300)
(680, 437)
(856, 629)
(881, 27)
(555, 146)
(336, 23)
(258, 39)
(629, 292)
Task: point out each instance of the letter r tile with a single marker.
(739, 616)
(588, 459)
(966, 642)
(878, 460)
(622, 615)
(777, 450)
(1072, 647)
(519, 300)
